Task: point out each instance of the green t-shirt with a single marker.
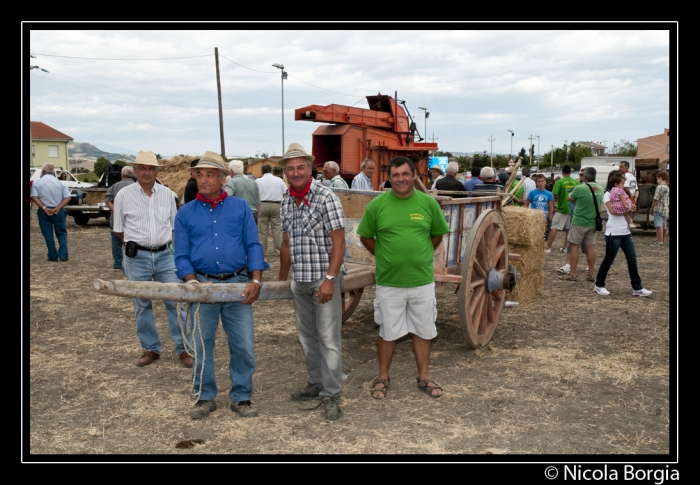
(584, 213)
(562, 189)
(403, 229)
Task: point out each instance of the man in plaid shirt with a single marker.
(313, 245)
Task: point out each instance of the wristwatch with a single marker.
(257, 282)
(330, 278)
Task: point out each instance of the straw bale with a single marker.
(530, 267)
(525, 226)
(525, 229)
(175, 172)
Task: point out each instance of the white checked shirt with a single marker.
(362, 182)
(308, 228)
(148, 221)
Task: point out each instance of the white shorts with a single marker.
(400, 311)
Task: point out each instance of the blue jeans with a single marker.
(117, 254)
(237, 323)
(612, 244)
(48, 224)
(158, 266)
(318, 327)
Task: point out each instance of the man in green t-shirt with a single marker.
(562, 213)
(402, 228)
(582, 229)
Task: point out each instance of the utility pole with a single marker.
(221, 115)
(531, 153)
(491, 139)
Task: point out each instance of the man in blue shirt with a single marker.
(542, 199)
(50, 196)
(216, 242)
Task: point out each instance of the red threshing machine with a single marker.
(382, 132)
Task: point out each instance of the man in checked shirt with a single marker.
(313, 245)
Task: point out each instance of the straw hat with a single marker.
(295, 151)
(438, 168)
(145, 158)
(509, 170)
(212, 160)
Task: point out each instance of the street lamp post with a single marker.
(491, 139)
(31, 145)
(511, 142)
(538, 147)
(284, 76)
(426, 113)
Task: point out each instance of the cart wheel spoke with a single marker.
(486, 250)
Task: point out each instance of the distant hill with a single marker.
(84, 155)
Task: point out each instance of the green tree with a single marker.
(157, 156)
(120, 162)
(625, 149)
(100, 166)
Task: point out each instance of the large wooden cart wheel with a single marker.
(482, 292)
(350, 300)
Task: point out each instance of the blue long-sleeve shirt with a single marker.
(217, 241)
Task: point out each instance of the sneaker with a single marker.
(601, 291)
(547, 251)
(244, 409)
(566, 269)
(202, 409)
(632, 225)
(657, 244)
(641, 292)
(333, 410)
(563, 250)
(309, 392)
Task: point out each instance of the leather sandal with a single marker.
(383, 390)
(428, 386)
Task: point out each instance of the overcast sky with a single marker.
(156, 90)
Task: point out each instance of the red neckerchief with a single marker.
(213, 202)
(301, 193)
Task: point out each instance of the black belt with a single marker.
(271, 201)
(225, 276)
(152, 248)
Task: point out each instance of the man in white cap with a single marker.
(216, 242)
(144, 217)
(313, 245)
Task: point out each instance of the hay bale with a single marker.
(525, 229)
(525, 226)
(530, 266)
(175, 172)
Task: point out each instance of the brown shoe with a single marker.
(186, 359)
(147, 358)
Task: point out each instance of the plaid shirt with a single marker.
(661, 195)
(308, 228)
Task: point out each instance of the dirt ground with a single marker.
(568, 373)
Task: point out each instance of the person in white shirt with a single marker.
(272, 190)
(363, 180)
(144, 218)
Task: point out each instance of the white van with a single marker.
(604, 165)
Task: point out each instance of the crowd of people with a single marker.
(220, 235)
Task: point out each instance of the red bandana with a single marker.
(213, 202)
(301, 193)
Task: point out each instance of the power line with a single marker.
(124, 59)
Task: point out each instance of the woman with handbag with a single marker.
(618, 236)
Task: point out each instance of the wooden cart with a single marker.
(474, 255)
